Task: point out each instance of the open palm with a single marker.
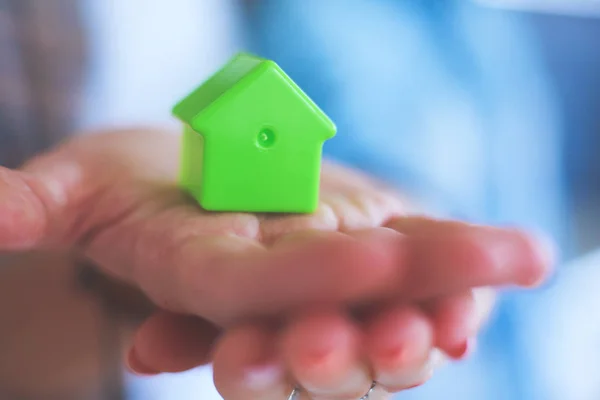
(113, 196)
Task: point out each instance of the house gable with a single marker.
(240, 78)
(215, 86)
(266, 98)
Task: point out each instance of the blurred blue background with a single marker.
(487, 114)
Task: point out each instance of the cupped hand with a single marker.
(327, 352)
(113, 196)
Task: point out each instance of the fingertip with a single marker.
(246, 365)
(169, 342)
(492, 257)
(399, 343)
(543, 253)
(455, 320)
(398, 337)
(479, 255)
(136, 366)
(463, 349)
(318, 344)
(513, 255)
(322, 351)
(313, 337)
(243, 348)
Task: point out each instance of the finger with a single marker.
(23, 212)
(455, 321)
(322, 350)
(398, 343)
(232, 276)
(457, 318)
(542, 250)
(463, 256)
(246, 365)
(60, 196)
(224, 278)
(168, 342)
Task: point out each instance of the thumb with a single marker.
(49, 200)
(34, 203)
(23, 215)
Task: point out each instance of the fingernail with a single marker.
(263, 377)
(319, 356)
(394, 356)
(135, 366)
(464, 350)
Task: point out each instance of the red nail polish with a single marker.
(135, 366)
(464, 350)
(394, 357)
(317, 357)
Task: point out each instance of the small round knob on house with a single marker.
(252, 140)
(266, 138)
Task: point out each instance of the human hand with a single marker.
(113, 197)
(327, 352)
(329, 355)
(396, 343)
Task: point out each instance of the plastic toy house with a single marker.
(252, 140)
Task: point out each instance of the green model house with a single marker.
(252, 140)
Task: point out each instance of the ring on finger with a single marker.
(294, 394)
(371, 390)
(296, 391)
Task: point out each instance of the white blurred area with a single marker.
(196, 384)
(141, 66)
(564, 332)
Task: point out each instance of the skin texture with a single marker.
(358, 290)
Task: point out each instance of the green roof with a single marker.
(215, 86)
